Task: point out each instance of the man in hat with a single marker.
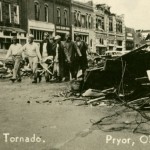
(71, 52)
(46, 49)
(15, 52)
(82, 60)
(59, 59)
(31, 50)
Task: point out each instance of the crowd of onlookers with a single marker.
(68, 57)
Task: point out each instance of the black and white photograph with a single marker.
(74, 75)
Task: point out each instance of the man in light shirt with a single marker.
(31, 50)
(16, 53)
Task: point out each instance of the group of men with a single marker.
(68, 56)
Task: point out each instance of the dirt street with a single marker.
(30, 112)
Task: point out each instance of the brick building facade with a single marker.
(41, 16)
(62, 17)
(38, 17)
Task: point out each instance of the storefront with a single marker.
(62, 30)
(38, 28)
(6, 34)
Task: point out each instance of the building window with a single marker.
(9, 13)
(46, 12)
(111, 41)
(91, 42)
(75, 18)
(79, 19)
(1, 19)
(119, 43)
(16, 14)
(100, 23)
(65, 17)
(119, 26)
(83, 22)
(58, 15)
(110, 24)
(87, 21)
(101, 41)
(7, 16)
(37, 11)
(90, 21)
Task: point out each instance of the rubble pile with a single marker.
(122, 79)
(121, 82)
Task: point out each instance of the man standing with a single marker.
(46, 49)
(59, 58)
(31, 50)
(15, 52)
(82, 61)
(71, 52)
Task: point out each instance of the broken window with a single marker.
(16, 14)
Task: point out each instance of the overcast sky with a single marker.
(137, 12)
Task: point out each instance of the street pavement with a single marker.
(33, 111)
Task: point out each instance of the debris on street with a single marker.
(122, 81)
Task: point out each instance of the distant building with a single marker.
(82, 21)
(109, 30)
(140, 37)
(130, 38)
(144, 33)
(10, 23)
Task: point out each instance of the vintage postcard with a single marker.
(74, 75)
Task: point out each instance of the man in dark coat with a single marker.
(46, 49)
(59, 59)
(71, 52)
(82, 60)
(48, 42)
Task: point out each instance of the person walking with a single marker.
(82, 60)
(15, 52)
(31, 50)
(46, 50)
(71, 52)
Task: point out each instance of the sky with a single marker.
(137, 12)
